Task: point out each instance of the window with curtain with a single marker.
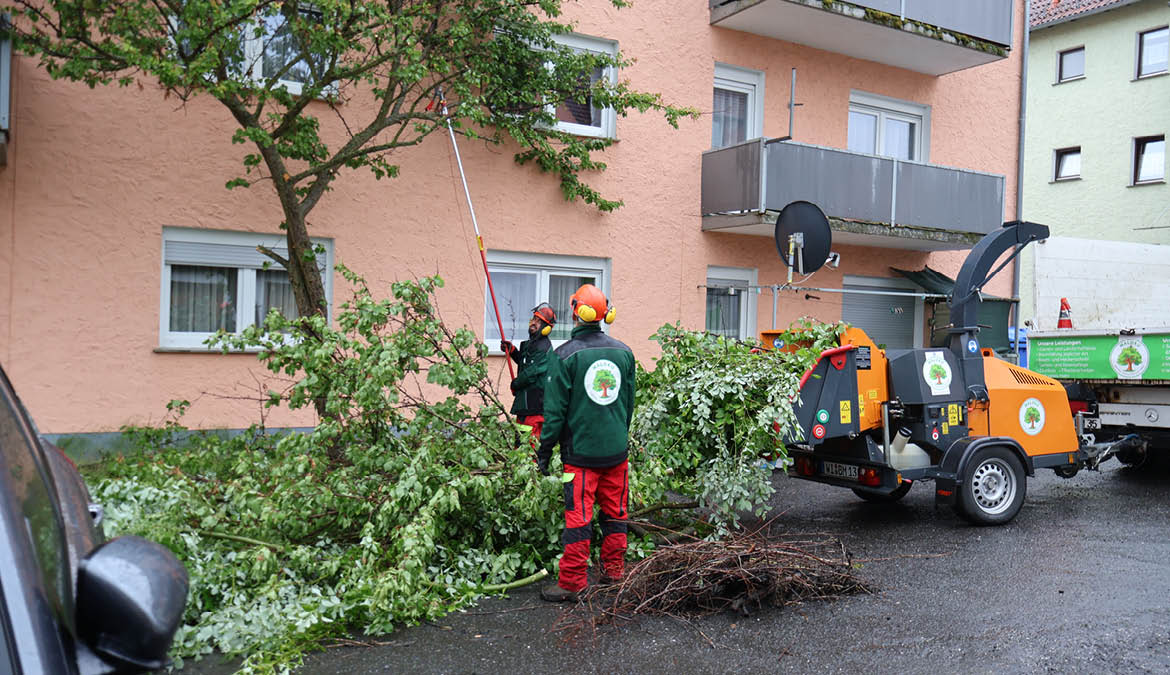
(215, 280)
(725, 310)
(728, 117)
(523, 280)
(731, 302)
(887, 127)
(736, 106)
(203, 299)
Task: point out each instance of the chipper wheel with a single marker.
(884, 497)
(992, 487)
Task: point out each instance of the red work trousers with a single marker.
(609, 488)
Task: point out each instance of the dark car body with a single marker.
(69, 601)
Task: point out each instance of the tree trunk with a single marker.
(305, 276)
(303, 273)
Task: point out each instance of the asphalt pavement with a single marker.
(1079, 582)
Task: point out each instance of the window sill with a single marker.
(203, 350)
(1147, 182)
(1068, 79)
(1151, 76)
(584, 131)
(1069, 179)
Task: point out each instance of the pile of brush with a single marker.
(737, 573)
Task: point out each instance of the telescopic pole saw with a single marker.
(478, 238)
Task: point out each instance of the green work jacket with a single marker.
(531, 359)
(589, 399)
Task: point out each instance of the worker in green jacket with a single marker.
(531, 358)
(588, 404)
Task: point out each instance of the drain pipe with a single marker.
(1020, 167)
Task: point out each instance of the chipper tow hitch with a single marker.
(1092, 454)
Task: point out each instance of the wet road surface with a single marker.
(1079, 582)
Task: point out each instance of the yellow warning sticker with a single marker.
(860, 405)
(952, 414)
(846, 412)
(946, 429)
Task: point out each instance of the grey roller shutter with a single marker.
(219, 255)
(887, 319)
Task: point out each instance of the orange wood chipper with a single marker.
(878, 421)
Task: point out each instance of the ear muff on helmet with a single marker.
(585, 312)
(610, 315)
(545, 314)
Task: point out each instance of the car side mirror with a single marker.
(131, 593)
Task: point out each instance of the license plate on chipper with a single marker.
(835, 470)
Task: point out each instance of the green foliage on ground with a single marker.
(417, 494)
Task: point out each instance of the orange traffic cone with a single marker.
(1065, 320)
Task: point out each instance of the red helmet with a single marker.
(544, 312)
(589, 305)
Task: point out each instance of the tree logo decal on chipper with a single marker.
(1130, 357)
(1032, 416)
(937, 373)
(603, 381)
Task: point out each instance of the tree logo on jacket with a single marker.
(603, 381)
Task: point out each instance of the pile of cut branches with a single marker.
(737, 573)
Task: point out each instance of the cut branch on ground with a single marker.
(740, 573)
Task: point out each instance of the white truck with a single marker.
(1115, 361)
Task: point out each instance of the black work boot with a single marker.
(554, 593)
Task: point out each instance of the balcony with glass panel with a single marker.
(927, 36)
(874, 194)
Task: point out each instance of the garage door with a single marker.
(889, 320)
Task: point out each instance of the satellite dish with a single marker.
(803, 230)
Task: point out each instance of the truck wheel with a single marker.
(884, 497)
(992, 488)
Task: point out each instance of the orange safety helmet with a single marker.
(589, 305)
(544, 312)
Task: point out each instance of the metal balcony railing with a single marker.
(742, 184)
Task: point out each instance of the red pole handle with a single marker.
(492, 292)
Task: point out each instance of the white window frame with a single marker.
(586, 43)
(254, 56)
(544, 265)
(1060, 78)
(1137, 66)
(891, 284)
(246, 279)
(747, 81)
(1063, 152)
(749, 305)
(1133, 160)
(885, 107)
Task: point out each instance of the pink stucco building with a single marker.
(905, 132)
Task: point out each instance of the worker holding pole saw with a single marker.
(531, 361)
(442, 101)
